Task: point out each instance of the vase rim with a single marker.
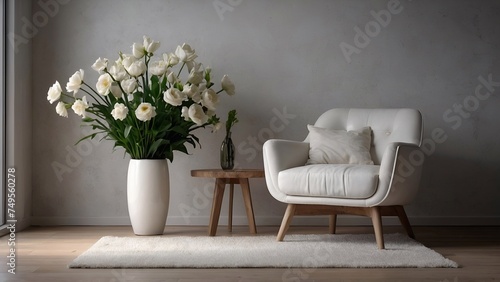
(148, 159)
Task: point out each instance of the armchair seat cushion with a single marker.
(346, 181)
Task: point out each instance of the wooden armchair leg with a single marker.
(374, 213)
(333, 223)
(287, 219)
(404, 221)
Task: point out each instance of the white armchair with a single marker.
(374, 190)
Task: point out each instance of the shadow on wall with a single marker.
(449, 179)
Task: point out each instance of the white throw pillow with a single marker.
(328, 146)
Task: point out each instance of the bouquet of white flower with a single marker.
(145, 107)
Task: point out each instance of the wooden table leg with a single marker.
(245, 189)
(230, 216)
(216, 206)
(333, 223)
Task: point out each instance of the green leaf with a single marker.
(91, 136)
(95, 126)
(182, 148)
(207, 77)
(169, 155)
(137, 97)
(196, 139)
(127, 131)
(155, 86)
(112, 98)
(191, 141)
(156, 144)
(164, 84)
(180, 130)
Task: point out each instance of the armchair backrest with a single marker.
(388, 126)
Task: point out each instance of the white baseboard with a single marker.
(275, 220)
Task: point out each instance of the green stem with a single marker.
(89, 88)
(146, 85)
(92, 95)
(119, 84)
(199, 126)
(183, 64)
(69, 96)
(144, 88)
(96, 113)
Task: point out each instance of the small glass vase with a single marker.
(227, 153)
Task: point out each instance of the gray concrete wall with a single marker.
(290, 61)
(19, 112)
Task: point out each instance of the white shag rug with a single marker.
(298, 251)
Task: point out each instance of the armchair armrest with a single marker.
(400, 171)
(279, 155)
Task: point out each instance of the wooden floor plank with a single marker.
(43, 254)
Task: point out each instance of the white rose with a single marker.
(202, 87)
(129, 85)
(79, 106)
(171, 77)
(149, 45)
(119, 112)
(196, 97)
(194, 67)
(174, 97)
(190, 90)
(115, 89)
(138, 50)
(103, 84)
(197, 115)
(118, 72)
(158, 68)
(171, 59)
(120, 58)
(210, 113)
(54, 92)
(185, 113)
(217, 127)
(185, 53)
(195, 77)
(128, 60)
(209, 99)
(145, 112)
(61, 109)
(137, 68)
(227, 85)
(100, 65)
(75, 82)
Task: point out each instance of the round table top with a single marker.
(234, 173)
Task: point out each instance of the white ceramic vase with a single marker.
(148, 195)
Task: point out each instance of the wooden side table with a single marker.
(231, 177)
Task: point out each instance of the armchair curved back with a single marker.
(388, 126)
